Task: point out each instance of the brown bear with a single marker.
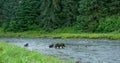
(77, 62)
(59, 45)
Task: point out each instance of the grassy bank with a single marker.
(13, 54)
(60, 35)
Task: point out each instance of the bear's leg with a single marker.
(55, 46)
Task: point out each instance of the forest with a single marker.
(100, 16)
(59, 31)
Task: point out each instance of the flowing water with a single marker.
(83, 50)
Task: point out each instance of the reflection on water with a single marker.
(83, 50)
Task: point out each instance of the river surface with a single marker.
(83, 50)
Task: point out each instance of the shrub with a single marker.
(109, 24)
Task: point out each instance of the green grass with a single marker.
(66, 33)
(10, 53)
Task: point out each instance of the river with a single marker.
(83, 50)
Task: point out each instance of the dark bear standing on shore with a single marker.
(57, 45)
(25, 45)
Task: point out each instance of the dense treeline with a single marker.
(83, 15)
(91, 12)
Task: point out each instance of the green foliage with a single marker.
(24, 16)
(45, 14)
(57, 13)
(66, 30)
(1, 14)
(109, 24)
(85, 15)
(8, 12)
(48, 11)
(91, 11)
